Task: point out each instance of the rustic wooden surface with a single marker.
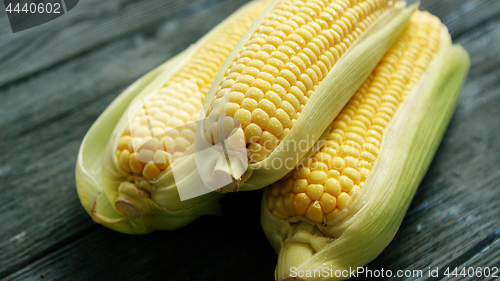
(57, 78)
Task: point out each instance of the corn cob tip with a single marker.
(232, 187)
(226, 168)
(102, 212)
(225, 161)
(128, 209)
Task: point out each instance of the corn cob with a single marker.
(343, 204)
(304, 57)
(133, 188)
(175, 106)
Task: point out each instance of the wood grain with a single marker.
(461, 16)
(212, 248)
(92, 24)
(61, 76)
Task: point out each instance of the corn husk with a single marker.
(128, 203)
(366, 227)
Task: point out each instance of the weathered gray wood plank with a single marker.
(89, 25)
(44, 120)
(210, 249)
(28, 105)
(462, 15)
(94, 23)
(482, 45)
(484, 260)
(40, 208)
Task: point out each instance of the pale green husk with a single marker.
(373, 218)
(332, 94)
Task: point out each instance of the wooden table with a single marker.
(57, 78)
